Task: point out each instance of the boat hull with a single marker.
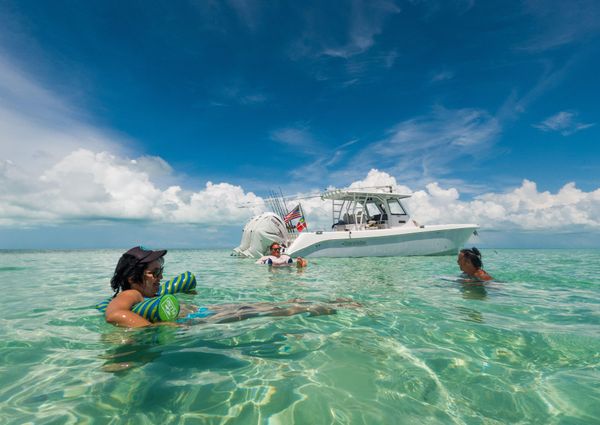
(428, 240)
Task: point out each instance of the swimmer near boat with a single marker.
(470, 264)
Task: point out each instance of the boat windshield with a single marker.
(373, 209)
(396, 207)
(366, 209)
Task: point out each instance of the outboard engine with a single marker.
(260, 232)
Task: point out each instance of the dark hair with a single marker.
(127, 267)
(474, 256)
(274, 243)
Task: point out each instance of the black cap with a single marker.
(145, 256)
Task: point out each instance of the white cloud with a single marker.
(88, 186)
(366, 22)
(561, 23)
(379, 181)
(318, 170)
(523, 208)
(442, 76)
(55, 168)
(563, 122)
(91, 186)
(38, 129)
(236, 91)
(294, 136)
(416, 146)
(420, 149)
(253, 99)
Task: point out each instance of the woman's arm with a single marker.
(119, 311)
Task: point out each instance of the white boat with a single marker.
(371, 224)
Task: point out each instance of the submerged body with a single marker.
(225, 313)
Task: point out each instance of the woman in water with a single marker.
(469, 261)
(138, 274)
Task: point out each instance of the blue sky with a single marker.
(151, 122)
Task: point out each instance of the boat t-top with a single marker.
(364, 224)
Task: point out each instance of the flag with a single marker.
(301, 225)
(295, 213)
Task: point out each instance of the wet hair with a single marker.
(274, 243)
(474, 256)
(127, 267)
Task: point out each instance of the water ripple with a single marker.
(420, 349)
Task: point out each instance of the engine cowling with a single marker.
(260, 232)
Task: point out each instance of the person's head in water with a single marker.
(275, 249)
(139, 269)
(469, 261)
(469, 256)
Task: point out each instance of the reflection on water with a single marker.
(133, 348)
(471, 314)
(474, 291)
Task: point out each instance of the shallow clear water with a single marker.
(420, 350)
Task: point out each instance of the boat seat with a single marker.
(380, 218)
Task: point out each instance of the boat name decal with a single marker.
(354, 243)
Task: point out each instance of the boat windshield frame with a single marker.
(354, 210)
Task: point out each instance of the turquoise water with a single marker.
(420, 350)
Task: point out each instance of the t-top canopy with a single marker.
(349, 195)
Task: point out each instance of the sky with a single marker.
(168, 123)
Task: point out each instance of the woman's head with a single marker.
(137, 266)
(469, 257)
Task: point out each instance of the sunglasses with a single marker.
(157, 272)
(276, 249)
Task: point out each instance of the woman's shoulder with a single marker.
(483, 275)
(129, 296)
